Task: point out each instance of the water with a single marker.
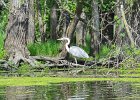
(100, 90)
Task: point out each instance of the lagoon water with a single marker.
(97, 90)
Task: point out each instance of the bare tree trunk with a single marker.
(17, 30)
(118, 26)
(135, 22)
(53, 23)
(41, 24)
(63, 22)
(45, 25)
(31, 27)
(95, 29)
(64, 25)
(80, 31)
(66, 21)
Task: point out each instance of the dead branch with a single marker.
(47, 58)
(127, 27)
(41, 62)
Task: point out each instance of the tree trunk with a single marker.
(118, 26)
(41, 24)
(17, 30)
(95, 29)
(31, 27)
(53, 21)
(45, 25)
(80, 31)
(135, 22)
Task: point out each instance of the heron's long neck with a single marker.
(67, 47)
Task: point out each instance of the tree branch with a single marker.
(127, 27)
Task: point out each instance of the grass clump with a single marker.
(2, 51)
(24, 69)
(50, 48)
(104, 51)
(3, 23)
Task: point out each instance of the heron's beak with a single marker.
(59, 39)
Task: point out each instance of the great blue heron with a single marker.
(74, 50)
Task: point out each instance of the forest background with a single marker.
(108, 30)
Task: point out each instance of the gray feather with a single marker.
(78, 52)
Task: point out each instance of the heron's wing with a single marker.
(78, 52)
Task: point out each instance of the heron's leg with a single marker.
(76, 65)
(75, 61)
(84, 66)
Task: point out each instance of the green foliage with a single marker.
(129, 63)
(117, 20)
(50, 48)
(136, 51)
(107, 5)
(118, 23)
(3, 20)
(3, 23)
(130, 2)
(104, 51)
(122, 34)
(88, 38)
(68, 5)
(2, 51)
(128, 51)
(130, 57)
(24, 69)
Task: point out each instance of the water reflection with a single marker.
(100, 90)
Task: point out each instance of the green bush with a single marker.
(104, 51)
(2, 51)
(3, 23)
(24, 69)
(50, 48)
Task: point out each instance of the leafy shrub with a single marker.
(104, 51)
(2, 51)
(50, 48)
(24, 69)
(3, 23)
